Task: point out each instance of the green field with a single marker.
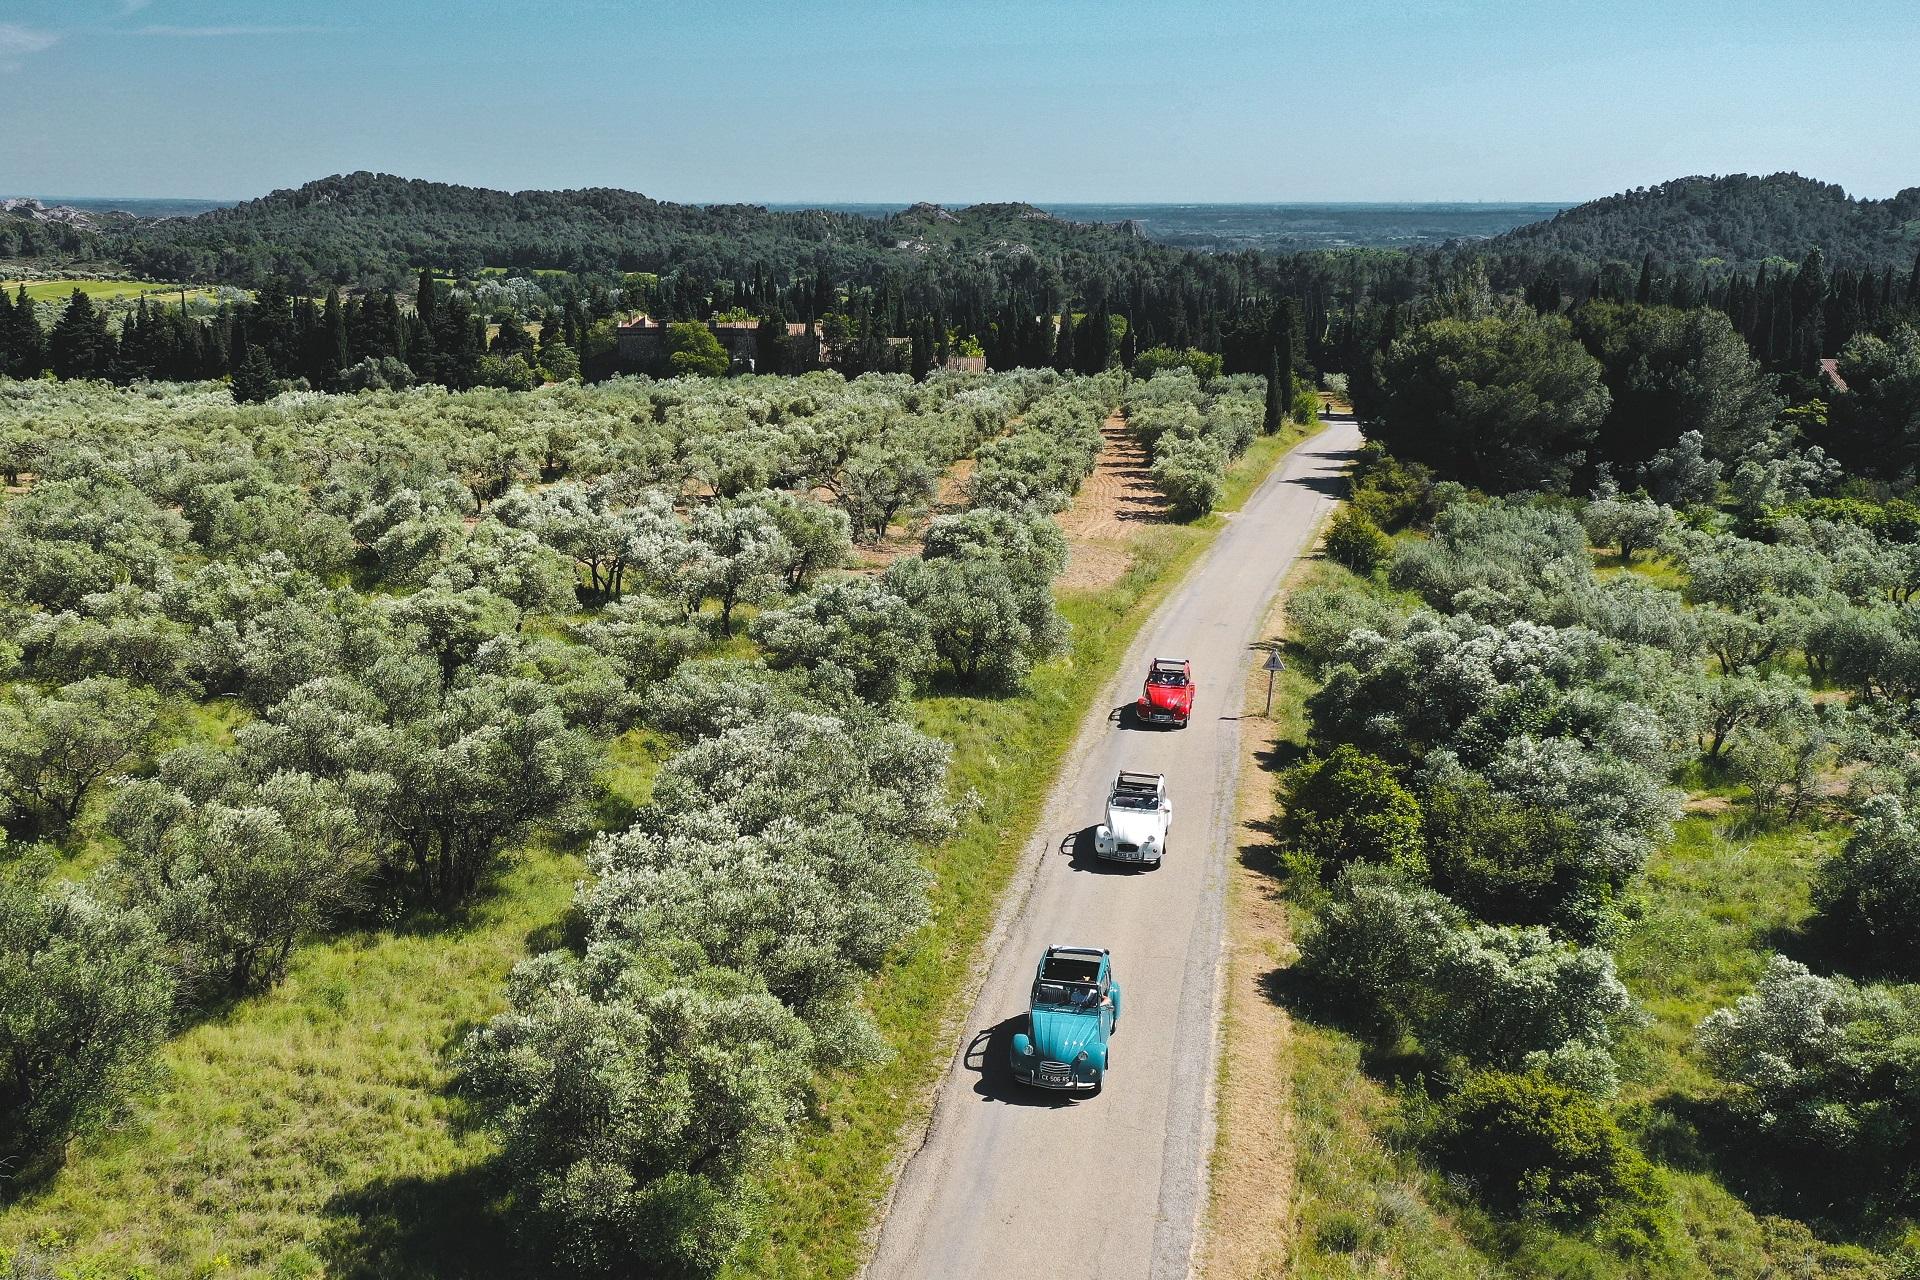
(104, 290)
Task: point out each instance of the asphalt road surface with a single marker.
(1013, 1181)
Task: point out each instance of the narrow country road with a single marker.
(1012, 1181)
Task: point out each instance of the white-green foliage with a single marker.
(84, 1000)
(426, 606)
(629, 1100)
(1550, 715)
(1194, 430)
(1870, 891)
(1823, 1064)
(235, 873)
(1628, 524)
(55, 747)
(855, 633)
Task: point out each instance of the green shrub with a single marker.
(1870, 891)
(1537, 1149)
(1389, 492)
(1348, 806)
(1357, 542)
(1204, 364)
(1512, 863)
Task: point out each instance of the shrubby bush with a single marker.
(1405, 959)
(1502, 560)
(1821, 1075)
(1389, 492)
(1869, 893)
(1546, 714)
(1320, 618)
(1348, 807)
(1535, 1148)
(1357, 542)
(85, 995)
(1510, 862)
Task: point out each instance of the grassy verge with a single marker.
(1006, 752)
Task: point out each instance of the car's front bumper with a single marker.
(1133, 855)
(1159, 715)
(1058, 1076)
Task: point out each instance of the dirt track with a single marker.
(1112, 504)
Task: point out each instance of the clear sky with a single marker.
(959, 100)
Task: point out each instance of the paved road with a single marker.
(1012, 1181)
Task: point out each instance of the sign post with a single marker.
(1273, 664)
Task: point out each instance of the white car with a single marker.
(1138, 814)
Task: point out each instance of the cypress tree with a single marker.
(1063, 346)
(9, 328)
(1913, 284)
(1283, 347)
(333, 350)
(1276, 402)
(424, 302)
(1643, 293)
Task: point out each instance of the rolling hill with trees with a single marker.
(1739, 219)
(368, 228)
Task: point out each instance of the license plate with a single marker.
(1053, 1077)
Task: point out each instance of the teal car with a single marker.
(1074, 1009)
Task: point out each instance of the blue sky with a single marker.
(1044, 100)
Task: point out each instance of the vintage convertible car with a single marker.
(1138, 815)
(1167, 697)
(1074, 1009)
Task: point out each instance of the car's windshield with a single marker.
(1065, 995)
(1132, 800)
(1175, 678)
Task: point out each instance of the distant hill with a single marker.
(29, 229)
(369, 228)
(1738, 219)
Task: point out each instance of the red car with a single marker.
(1168, 696)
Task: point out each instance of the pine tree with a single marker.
(254, 381)
(80, 345)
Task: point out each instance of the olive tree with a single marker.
(85, 996)
(631, 1101)
(853, 630)
(234, 880)
(55, 747)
